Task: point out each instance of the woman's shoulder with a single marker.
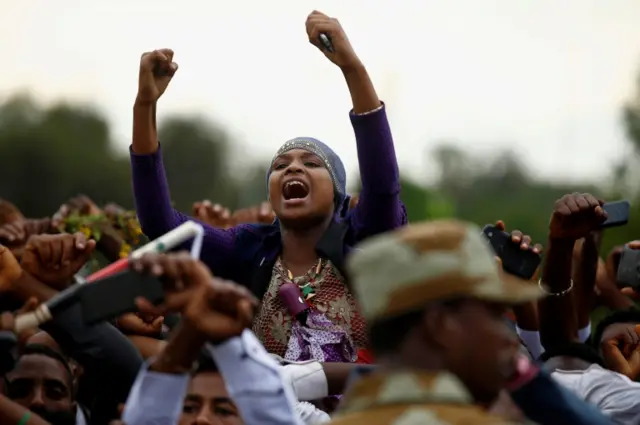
(248, 235)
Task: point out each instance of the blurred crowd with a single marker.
(315, 306)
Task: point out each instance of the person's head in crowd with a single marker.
(306, 184)
(616, 337)
(434, 298)
(42, 381)
(44, 339)
(207, 400)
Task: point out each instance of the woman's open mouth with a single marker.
(294, 192)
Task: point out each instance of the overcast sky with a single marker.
(546, 77)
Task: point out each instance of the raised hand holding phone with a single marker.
(575, 216)
(327, 34)
(516, 253)
(326, 43)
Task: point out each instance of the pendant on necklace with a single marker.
(308, 292)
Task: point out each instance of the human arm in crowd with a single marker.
(254, 380)
(575, 216)
(544, 401)
(150, 188)
(585, 268)
(379, 207)
(585, 256)
(158, 393)
(217, 312)
(147, 346)
(101, 349)
(557, 313)
(312, 380)
(12, 413)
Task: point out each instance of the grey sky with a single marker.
(546, 77)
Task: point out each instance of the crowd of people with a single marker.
(315, 306)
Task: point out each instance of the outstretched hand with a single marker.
(55, 259)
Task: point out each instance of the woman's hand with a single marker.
(343, 54)
(156, 71)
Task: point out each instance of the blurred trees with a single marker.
(50, 153)
(196, 158)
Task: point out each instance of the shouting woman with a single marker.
(305, 247)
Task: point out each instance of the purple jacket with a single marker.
(246, 253)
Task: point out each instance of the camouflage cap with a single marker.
(405, 269)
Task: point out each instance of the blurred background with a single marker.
(498, 108)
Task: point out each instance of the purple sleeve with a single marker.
(379, 207)
(157, 216)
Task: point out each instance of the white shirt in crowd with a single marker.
(614, 394)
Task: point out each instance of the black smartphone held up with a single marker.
(114, 295)
(516, 261)
(617, 214)
(325, 40)
(629, 268)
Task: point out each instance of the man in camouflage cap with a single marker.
(434, 298)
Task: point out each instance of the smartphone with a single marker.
(325, 40)
(629, 268)
(516, 261)
(114, 295)
(617, 214)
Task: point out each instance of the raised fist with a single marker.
(343, 54)
(575, 216)
(156, 71)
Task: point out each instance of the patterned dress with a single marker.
(273, 323)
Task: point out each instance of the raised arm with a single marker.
(379, 208)
(150, 188)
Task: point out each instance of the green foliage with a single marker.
(196, 157)
(49, 154)
(90, 225)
